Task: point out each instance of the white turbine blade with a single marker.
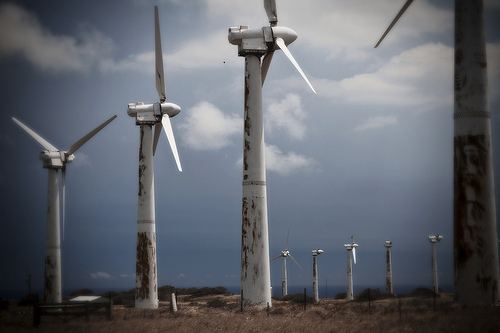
(63, 173)
(158, 127)
(265, 65)
(87, 137)
(286, 248)
(35, 136)
(160, 74)
(281, 43)
(354, 254)
(294, 260)
(270, 7)
(170, 136)
(401, 12)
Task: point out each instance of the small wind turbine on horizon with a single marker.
(388, 261)
(434, 239)
(315, 254)
(351, 252)
(476, 265)
(147, 116)
(53, 160)
(253, 44)
(284, 254)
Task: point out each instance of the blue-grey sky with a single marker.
(370, 155)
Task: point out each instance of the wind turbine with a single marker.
(477, 275)
(147, 116)
(434, 240)
(316, 253)
(284, 255)
(351, 249)
(53, 160)
(388, 278)
(253, 44)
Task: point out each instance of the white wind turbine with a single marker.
(284, 255)
(253, 44)
(351, 249)
(147, 116)
(476, 271)
(53, 160)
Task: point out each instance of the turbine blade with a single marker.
(281, 43)
(160, 74)
(63, 174)
(265, 65)
(35, 136)
(270, 7)
(277, 257)
(354, 254)
(294, 260)
(158, 127)
(401, 12)
(87, 137)
(170, 136)
(288, 235)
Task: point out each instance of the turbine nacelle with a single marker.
(388, 244)
(435, 239)
(317, 252)
(259, 41)
(55, 159)
(151, 113)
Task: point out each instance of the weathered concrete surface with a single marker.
(475, 231)
(52, 282)
(255, 266)
(146, 289)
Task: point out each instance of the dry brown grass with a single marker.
(203, 314)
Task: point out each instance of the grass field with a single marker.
(221, 313)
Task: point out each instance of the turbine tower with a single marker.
(388, 278)
(53, 160)
(253, 44)
(351, 251)
(315, 253)
(434, 240)
(285, 254)
(476, 277)
(147, 116)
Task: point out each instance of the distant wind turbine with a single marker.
(476, 266)
(147, 116)
(388, 278)
(284, 255)
(351, 249)
(315, 254)
(53, 160)
(434, 240)
(253, 44)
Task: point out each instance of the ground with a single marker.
(222, 313)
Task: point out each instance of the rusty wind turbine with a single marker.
(476, 267)
(53, 160)
(253, 44)
(147, 116)
(284, 254)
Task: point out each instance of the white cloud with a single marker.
(288, 116)
(420, 77)
(376, 122)
(208, 128)
(101, 275)
(22, 35)
(81, 160)
(287, 164)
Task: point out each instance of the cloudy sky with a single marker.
(370, 155)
